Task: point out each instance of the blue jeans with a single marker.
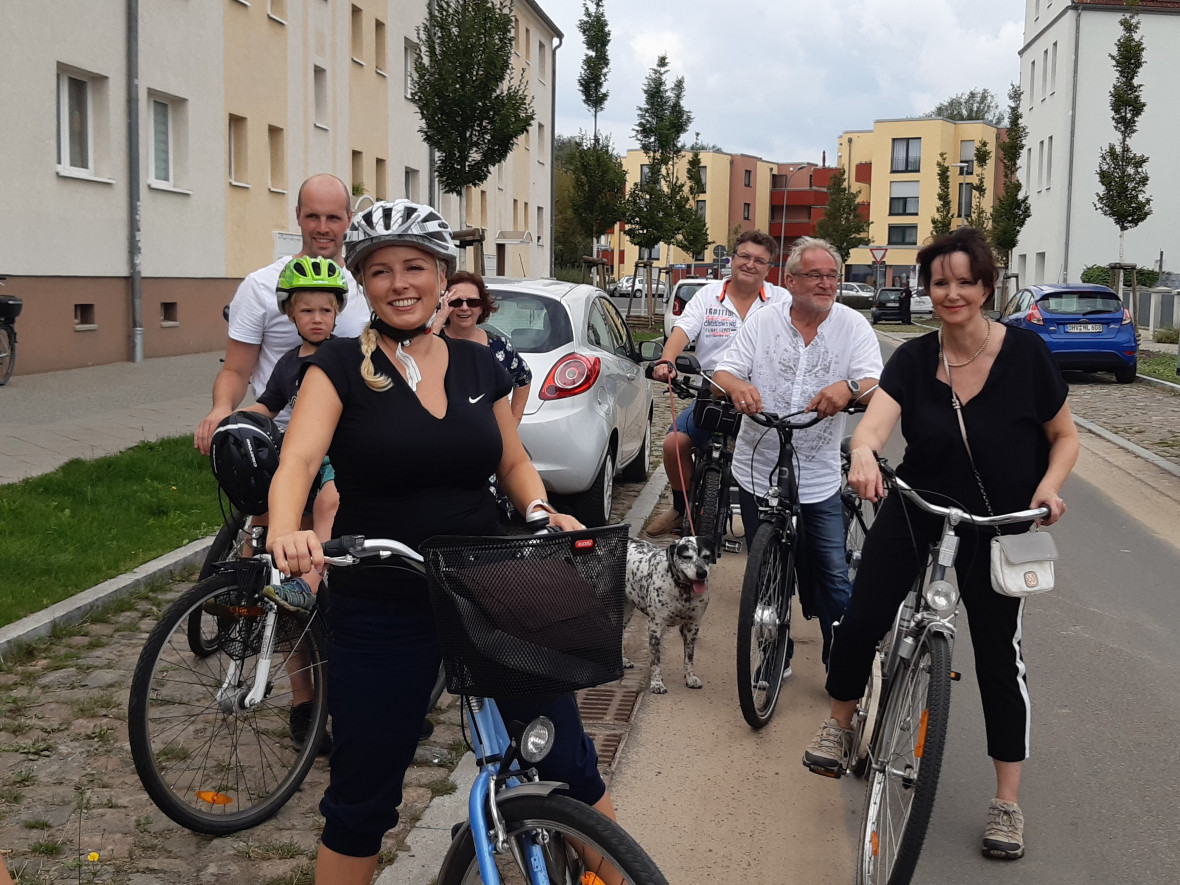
(822, 564)
(686, 423)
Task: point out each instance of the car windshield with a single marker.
(534, 324)
(888, 294)
(686, 292)
(1080, 303)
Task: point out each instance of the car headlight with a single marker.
(942, 597)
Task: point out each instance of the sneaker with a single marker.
(292, 596)
(1003, 837)
(828, 751)
(667, 523)
(299, 721)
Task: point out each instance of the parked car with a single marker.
(921, 303)
(682, 293)
(857, 295)
(588, 415)
(1086, 326)
(622, 289)
(887, 306)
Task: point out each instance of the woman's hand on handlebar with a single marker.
(1048, 498)
(864, 474)
(565, 522)
(296, 553)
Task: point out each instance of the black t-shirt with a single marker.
(283, 384)
(1005, 422)
(403, 473)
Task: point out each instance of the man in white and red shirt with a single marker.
(711, 319)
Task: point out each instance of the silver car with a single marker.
(588, 415)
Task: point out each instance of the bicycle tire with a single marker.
(907, 758)
(764, 623)
(558, 818)
(205, 631)
(209, 769)
(708, 507)
(7, 352)
(858, 516)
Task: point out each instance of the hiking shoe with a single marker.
(1003, 837)
(292, 596)
(299, 721)
(828, 751)
(667, 523)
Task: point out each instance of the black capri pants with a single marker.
(899, 536)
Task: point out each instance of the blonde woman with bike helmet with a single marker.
(414, 423)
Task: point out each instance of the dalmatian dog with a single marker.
(670, 586)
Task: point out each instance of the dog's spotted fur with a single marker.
(660, 584)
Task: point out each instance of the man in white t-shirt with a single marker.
(710, 319)
(808, 353)
(259, 333)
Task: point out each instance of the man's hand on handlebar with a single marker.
(296, 553)
(746, 399)
(663, 370)
(832, 399)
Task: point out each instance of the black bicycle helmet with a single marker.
(244, 454)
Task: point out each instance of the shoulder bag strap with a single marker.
(957, 405)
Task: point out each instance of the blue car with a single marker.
(1086, 326)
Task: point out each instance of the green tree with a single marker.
(694, 233)
(595, 31)
(1122, 173)
(599, 184)
(1012, 209)
(980, 215)
(655, 204)
(842, 224)
(940, 222)
(570, 242)
(977, 104)
(472, 113)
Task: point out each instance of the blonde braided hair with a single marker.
(374, 379)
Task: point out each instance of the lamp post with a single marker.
(782, 230)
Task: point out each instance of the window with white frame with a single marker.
(1032, 81)
(357, 35)
(540, 224)
(410, 53)
(1044, 74)
(239, 168)
(541, 142)
(1053, 69)
(903, 197)
(161, 141)
(276, 144)
(1048, 162)
(907, 155)
(75, 131)
(967, 156)
(379, 45)
(540, 59)
(1040, 164)
(319, 79)
(411, 184)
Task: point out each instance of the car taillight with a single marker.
(571, 375)
(1034, 316)
(1126, 317)
(677, 306)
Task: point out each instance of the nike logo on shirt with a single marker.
(475, 399)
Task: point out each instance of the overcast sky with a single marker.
(781, 79)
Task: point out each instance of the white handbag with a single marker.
(1023, 564)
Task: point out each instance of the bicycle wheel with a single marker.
(708, 507)
(858, 516)
(551, 823)
(206, 762)
(906, 760)
(764, 623)
(7, 352)
(205, 631)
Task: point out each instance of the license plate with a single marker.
(1084, 327)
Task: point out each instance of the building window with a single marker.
(1028, 169)
(381, 184)
(1048, 162)
(745, 211)
(515, 214)
(239, 168)
(540, 142)
(528, 139)
(967, 156)
(645, 172)
(483, 208)
(540, 224)
(1040, 164)
(1053, 69)
(540, 59)
(358, 35)
(966, 195)
(704, 179)
(277, 9)
(528, 45)
(411, 53)
(903, 197)
(84, 318)
(379, 46)
(161, 141)
(411, 184)
(358, 173)
(748, 177)
(907, 155)
(701, 208)
(1044, 74)
(75, 135)
(516, 49)
(1032, 81)
(319, 80)
(903, 235)
(277, 145)
(169, 314)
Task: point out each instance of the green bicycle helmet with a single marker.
(309, 273)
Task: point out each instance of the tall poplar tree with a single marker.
(595, 31)
(1012, 210)
(980, 215)
(940, 222)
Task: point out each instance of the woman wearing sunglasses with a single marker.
(466, 304)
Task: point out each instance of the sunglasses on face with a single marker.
(470, 302)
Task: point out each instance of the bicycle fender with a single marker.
(533, 788)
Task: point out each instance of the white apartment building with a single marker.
(1066, 76)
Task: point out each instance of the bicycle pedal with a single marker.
(826, 772)
(956, 675)
(733, 546)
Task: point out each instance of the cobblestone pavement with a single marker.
(1145, 415)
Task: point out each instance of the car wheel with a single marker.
(873, 318)
(637, 470)
(592, 507)
(1126, 375)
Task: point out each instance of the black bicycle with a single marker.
(858, 514)
(709, 512)
(764, 612)
(10, 308)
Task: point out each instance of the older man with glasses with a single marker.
(804, 353)
(710, 319)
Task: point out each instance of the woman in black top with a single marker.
(1024, 444)
(414, 424)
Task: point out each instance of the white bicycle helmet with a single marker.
(399, 223)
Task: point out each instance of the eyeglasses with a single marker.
(815, 276)
(753, 259)
(456, 303)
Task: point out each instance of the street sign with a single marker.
(878, 253)
(679, 266)
(718, 251)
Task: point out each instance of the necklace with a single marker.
(969, 361)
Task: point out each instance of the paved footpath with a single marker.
(67, 787)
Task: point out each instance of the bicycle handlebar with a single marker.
(961, 515)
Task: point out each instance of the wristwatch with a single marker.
(854, 388)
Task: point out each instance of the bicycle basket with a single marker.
(520, 616)
(716, 416)
(10, 308)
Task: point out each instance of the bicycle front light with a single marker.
(942, 597)
(537, 739)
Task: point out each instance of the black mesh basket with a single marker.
(716, 416)
(519, 616)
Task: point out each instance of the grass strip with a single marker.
(1161, 366)
(91, 520)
